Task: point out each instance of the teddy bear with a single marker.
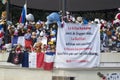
(34, 37)
(28, 39)
(30, 21)
(3, 21)
(40, 55)
(52, 36)
(54, 17)
(38, 27)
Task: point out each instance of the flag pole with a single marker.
(8, 10)
(26, 5)
(26, 8)
(7, 19)
(64, 7)
(22, 18)
(26, 1)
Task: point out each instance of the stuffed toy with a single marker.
(3, 20)
(117, 16)
(43, 33)
(53, 33)
(54, 18)
(39, 27)
(68, 17)
(117, 19)
(20, 25)
(39, 54)
(3, 17)
(37, 47)
(44, 48)
(80, 20)
(18, 48)
(29, 17)
(53, 48)
(28, 39)
(16, 55)
(8, 47)
(42, 38)
(14, 39)
(30, 21)
(34, 37)
(49, 57)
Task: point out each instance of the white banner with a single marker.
(78, 46)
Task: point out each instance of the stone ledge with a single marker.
(6, 65)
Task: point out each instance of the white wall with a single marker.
(24, 74)
(12, 72)
(38, 74)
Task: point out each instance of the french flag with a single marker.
(23, 14)
(49, 60)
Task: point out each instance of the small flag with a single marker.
(32, 60)
(23, 14)
(40, 60)
(4, 1)
(49, 60)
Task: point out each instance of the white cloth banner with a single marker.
(78, 46)
(21, 40)
(32, 60)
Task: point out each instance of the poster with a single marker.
(78, 46)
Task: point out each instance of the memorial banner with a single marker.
(78, 46)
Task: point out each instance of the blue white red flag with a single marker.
(49, 60)
(23, 14)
